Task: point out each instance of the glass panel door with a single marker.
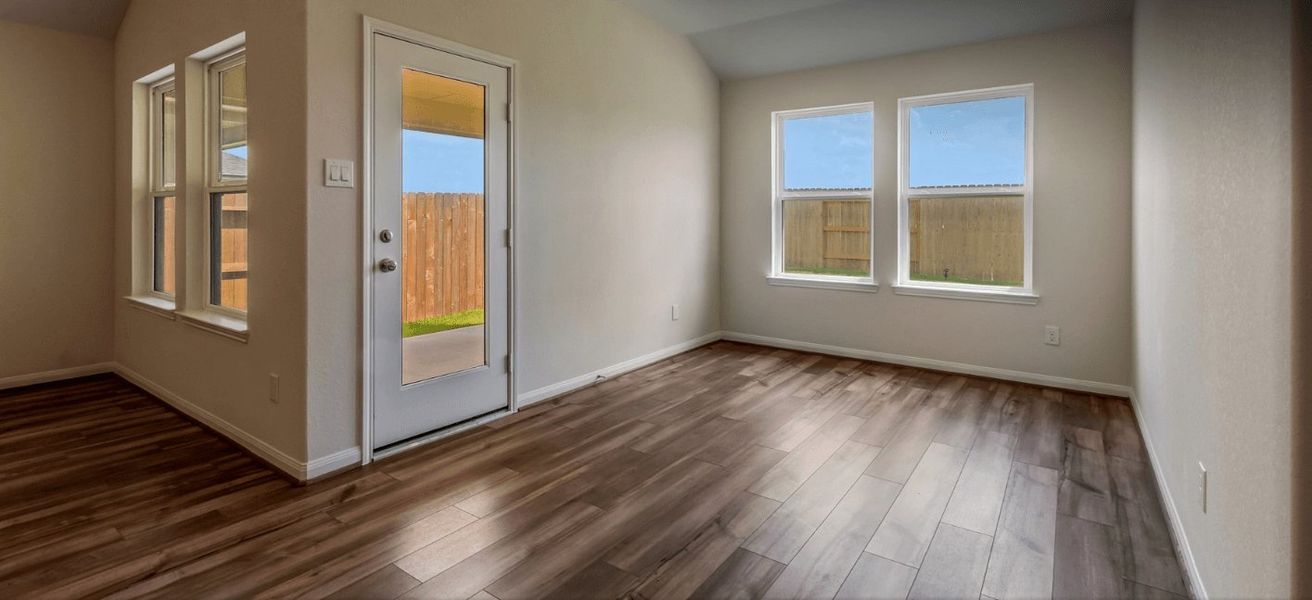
(439, 287)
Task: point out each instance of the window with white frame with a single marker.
(227, 157)
(163, 202)
(965, 202)
(823, 178)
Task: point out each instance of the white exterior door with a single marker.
(440, 301)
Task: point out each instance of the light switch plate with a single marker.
(338, 173)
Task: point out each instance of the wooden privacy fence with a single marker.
(827, 236)
(972, 238)
(232, 257)
(233, 252)
(442, 252)
(978, 239)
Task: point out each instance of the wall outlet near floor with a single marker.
(1052, 335)
(674, 312)
(1202, 487)
(273, 388)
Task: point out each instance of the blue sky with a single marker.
(962, 143)
(432, 162)
(978, 142)
(828, 152)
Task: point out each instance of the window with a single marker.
(227, 156)
(965, 201)
(163, 188)
(823, 175)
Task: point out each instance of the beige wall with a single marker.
(57, 165)
(1301, 133)
(1082, 211)
(220, 375)
(617, 207)
(1212, 266)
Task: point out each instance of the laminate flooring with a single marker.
(730, 471)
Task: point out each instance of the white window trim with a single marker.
(227, 318)
(147, 297)
(1024, 294)
(216, 322)
(155, 168)
(777, 275)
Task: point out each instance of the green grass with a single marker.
(827, 271)
(955, 279)
(466, 318)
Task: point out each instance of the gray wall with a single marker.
(618, 213)
(57, 165)
(1212, 264)
(1082, 209)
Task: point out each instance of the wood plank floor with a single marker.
(731, 471)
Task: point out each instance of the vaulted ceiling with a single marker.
(747, 38)
(99, 18)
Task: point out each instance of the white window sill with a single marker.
(851, 284)
(961, 293)
(213, 322)
(155, 305)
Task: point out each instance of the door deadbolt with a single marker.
(387, 265)
(385, 236)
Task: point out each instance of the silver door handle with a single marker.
(387, 265)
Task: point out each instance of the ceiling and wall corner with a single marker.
(99, 18)
(749, 38)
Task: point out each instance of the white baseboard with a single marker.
(337, 461)
(1093, 387)
(563, 387)
(1182, 549)
(275, 457)
(55, 375)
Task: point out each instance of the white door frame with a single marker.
(371, 27)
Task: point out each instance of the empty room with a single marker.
(655, 299)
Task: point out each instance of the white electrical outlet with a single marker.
(1202, 486)
(674, 312)
(273, 388)
(1052, 335)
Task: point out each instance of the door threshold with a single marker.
(424, 439)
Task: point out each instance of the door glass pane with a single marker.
(968, 239)
(442, 226)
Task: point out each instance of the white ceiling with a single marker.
(747, 38)
(99, 18)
